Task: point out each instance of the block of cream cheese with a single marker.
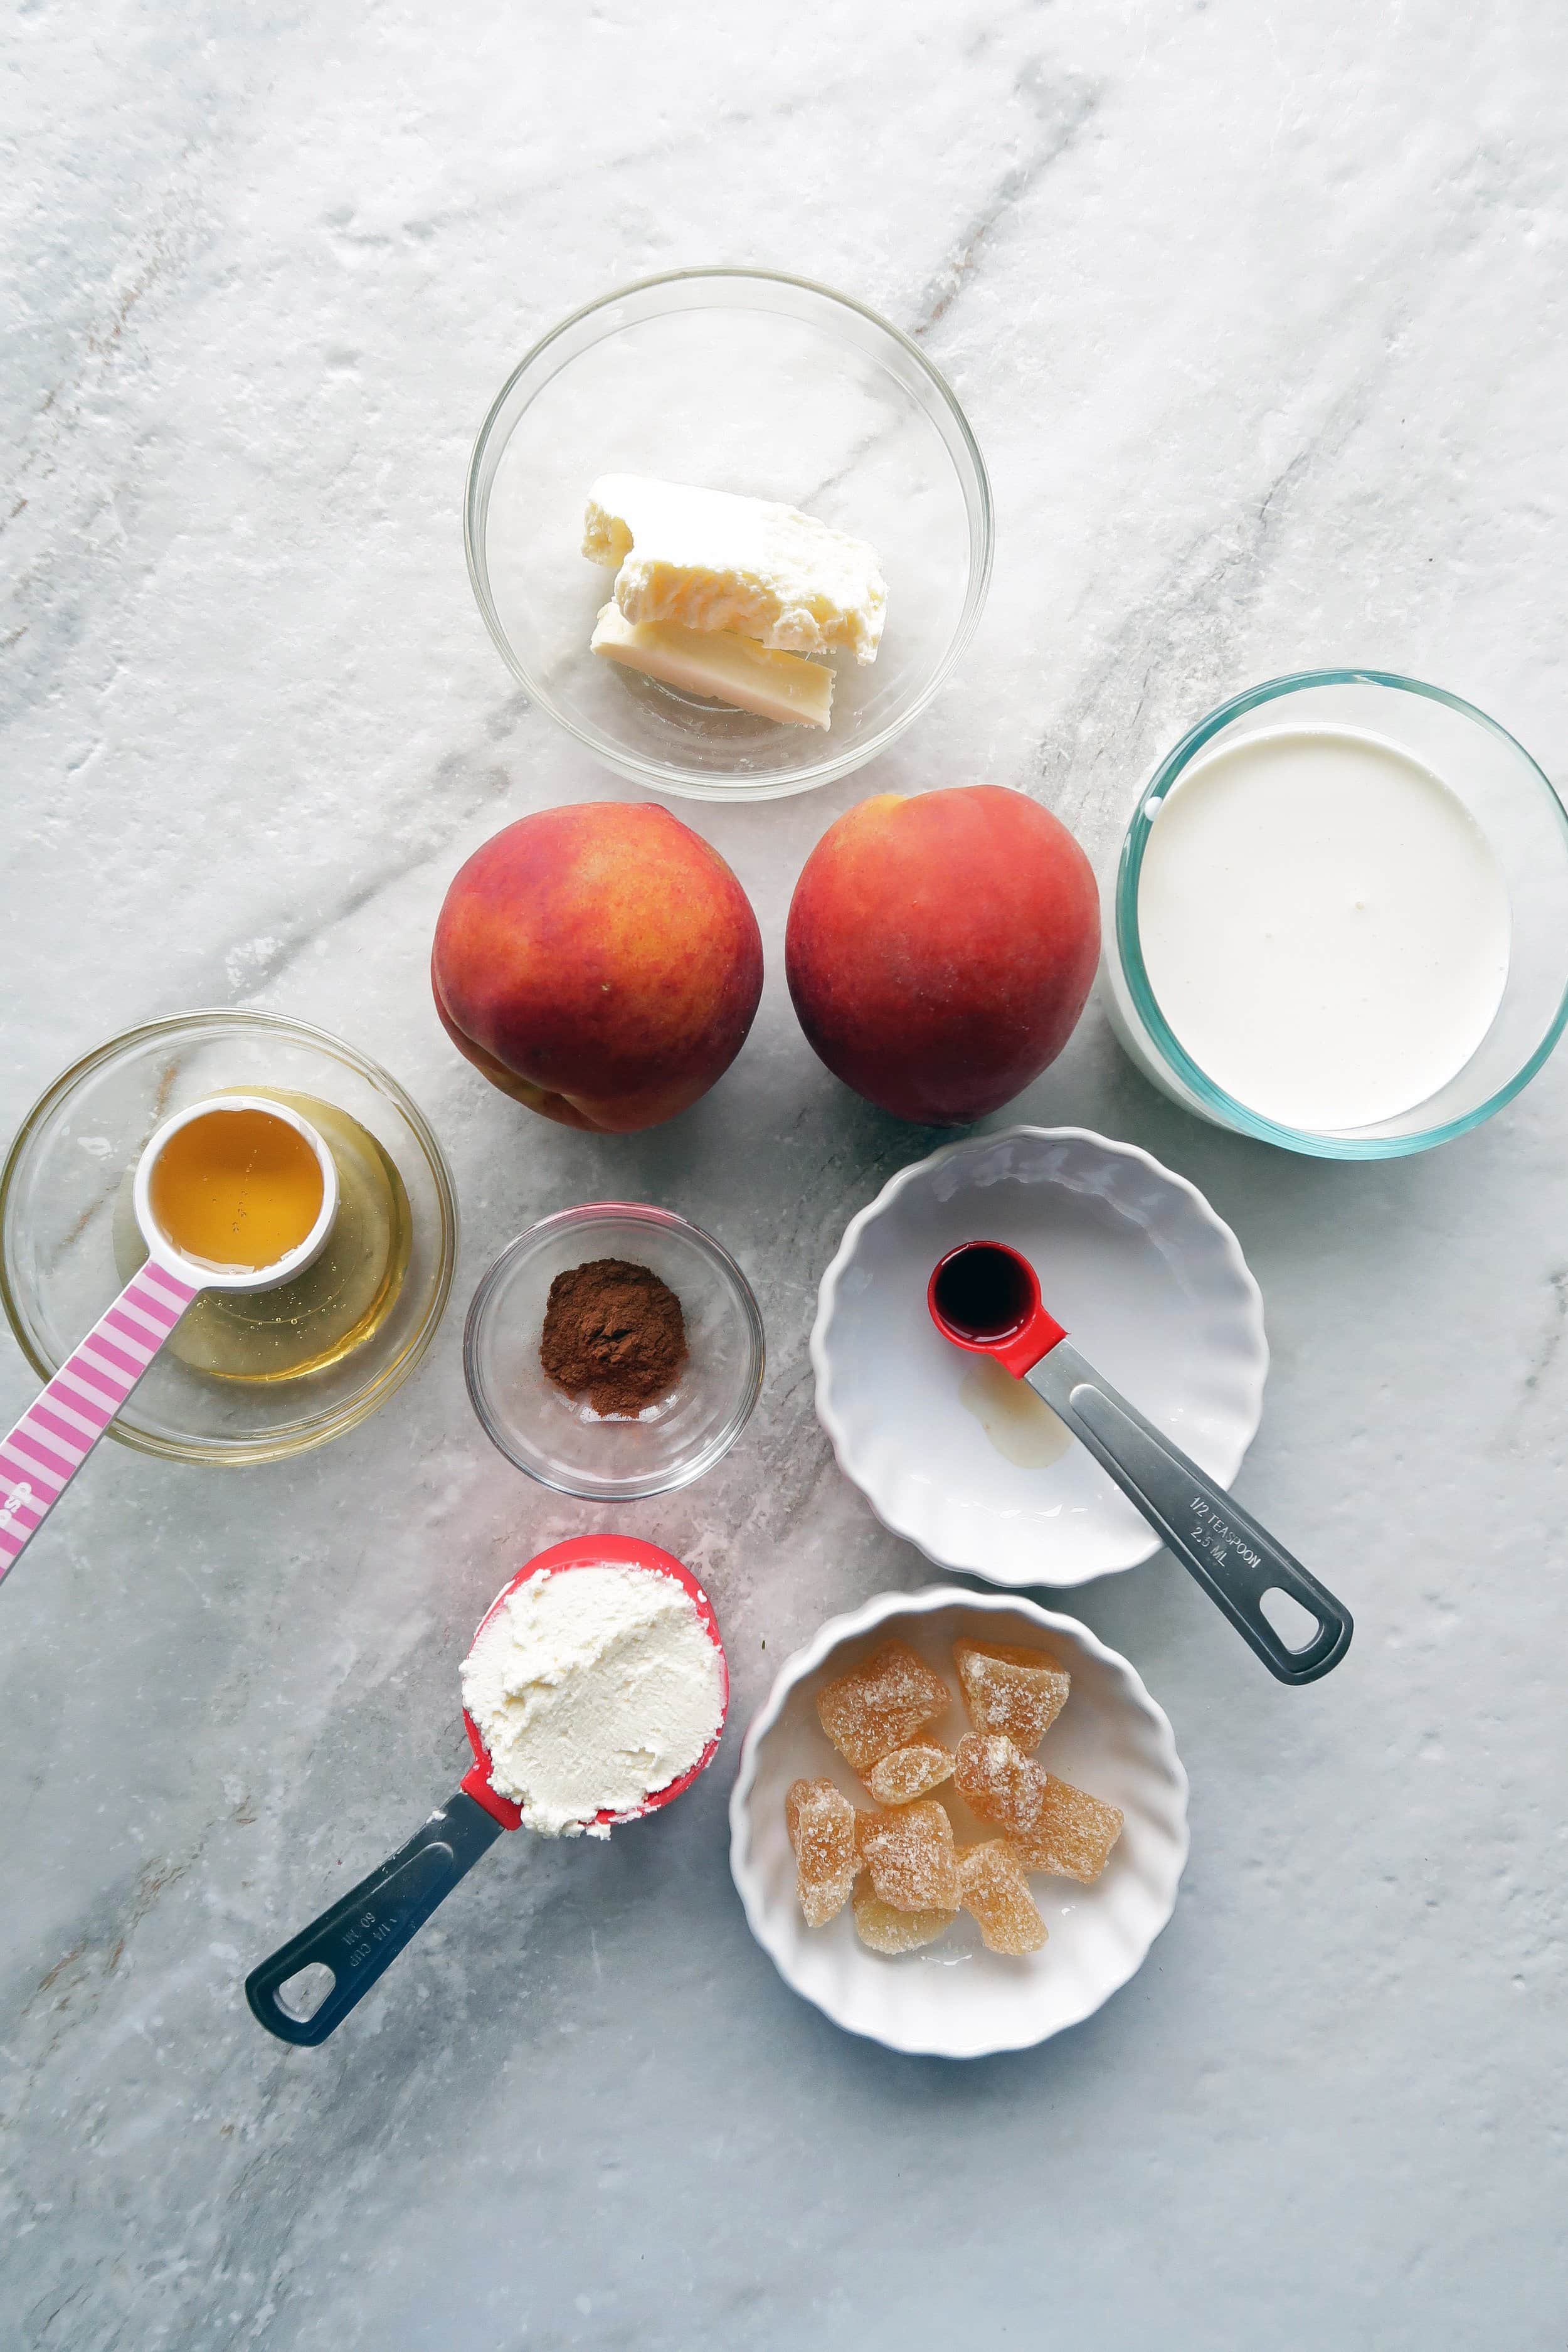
(719, 664)
(706, 560)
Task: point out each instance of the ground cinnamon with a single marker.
(613, 1333)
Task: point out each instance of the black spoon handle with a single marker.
(360, 1935)
(1234, 1559)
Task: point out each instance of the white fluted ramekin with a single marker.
(955, 1998)
(1131, 1258)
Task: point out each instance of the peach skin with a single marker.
(940, 950)
(599, 963)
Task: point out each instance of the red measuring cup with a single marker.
(358, 1939)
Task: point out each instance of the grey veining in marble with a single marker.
(1258, 313)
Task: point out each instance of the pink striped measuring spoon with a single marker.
(53, 1437)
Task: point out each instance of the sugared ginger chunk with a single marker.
(992, 1884)
(1011, 1689)
(908, 1855)
(887, 1930)
(1074, 1835)
(821, 1823)
(1051, 1825)
(999, 1782)
(881, 1704)
(909, 1772)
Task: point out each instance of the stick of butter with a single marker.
(707, 560)
(719, 664)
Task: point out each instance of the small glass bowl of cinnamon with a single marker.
(583, 1373)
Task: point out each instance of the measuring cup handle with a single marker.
(358, 1939)
(48, 1446)
(1234, 1559)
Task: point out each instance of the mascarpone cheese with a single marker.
(592, 1688)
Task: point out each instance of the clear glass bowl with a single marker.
(1522, 819)
(738, 380)
(62, 1219)
(560, 1439)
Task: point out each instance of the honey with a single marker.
(316, 1320)
(235, 1190)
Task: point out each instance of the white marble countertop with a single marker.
(1258, 315)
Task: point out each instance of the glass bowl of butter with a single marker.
(245, 1377)
(830, 441)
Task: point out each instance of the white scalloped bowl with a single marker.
(1152, 1284)
(955, 1998)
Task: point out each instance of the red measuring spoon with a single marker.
(985, 1296)
(358, 1939)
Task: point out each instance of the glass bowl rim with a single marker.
(592, 1212)
(661, 776)
(244, 1453)
(1215, 1101)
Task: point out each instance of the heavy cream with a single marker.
(1324, 926)
(592, 1689)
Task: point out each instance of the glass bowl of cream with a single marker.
(761, 385)
(243, 1379)
(1340, 919)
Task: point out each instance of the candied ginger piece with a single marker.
(881, 1704)
(1002, 1784)
(909, 1772)
(821, 1823)
(1051, 1825)
(1074, 1836)
(1011, 1689)
(992, 1884)
(887, 1930)
(908, 1855)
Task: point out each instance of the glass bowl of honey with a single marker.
(248, 1376)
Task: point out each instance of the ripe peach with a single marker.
(939, 950)
(600, 963)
